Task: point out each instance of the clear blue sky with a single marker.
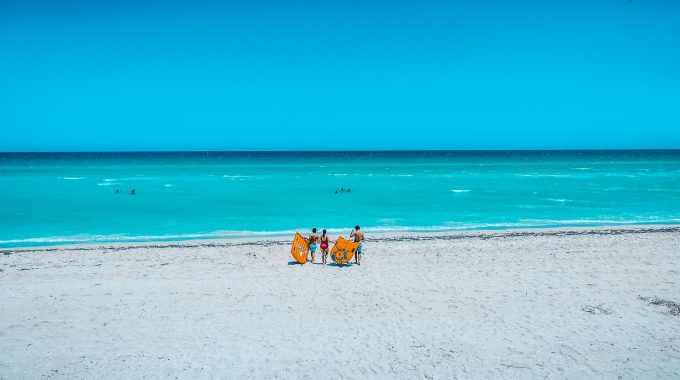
(258, 75)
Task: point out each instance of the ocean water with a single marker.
(70, 198)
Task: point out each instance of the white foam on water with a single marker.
(459, 191)
(136, 179)
(113, 238)
(544, 175)
(108, 183)
(595, 222)
(71, 178)
(227, 234)
(458, 226)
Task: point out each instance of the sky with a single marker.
(351, 75)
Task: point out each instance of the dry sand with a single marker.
(514, 304)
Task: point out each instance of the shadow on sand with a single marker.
(341, 265)
(331, 264)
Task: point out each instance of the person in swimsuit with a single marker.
(313, 239)
(358, 236)
(324, 246)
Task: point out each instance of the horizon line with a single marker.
(348, 151)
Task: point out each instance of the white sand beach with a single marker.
(500, 304)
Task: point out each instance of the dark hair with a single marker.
(324, 231)
(357, 227)
(314, 229)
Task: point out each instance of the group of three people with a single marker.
(324, 242)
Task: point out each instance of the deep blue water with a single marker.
(57, 198)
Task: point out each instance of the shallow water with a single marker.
(70, 198)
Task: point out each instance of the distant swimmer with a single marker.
(117, 191)
(358, 236)
(342, 189)
(348, 189)
(336, 191)
(133, 192)
(324, 246)
(313, 239)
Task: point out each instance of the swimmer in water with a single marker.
(132, 192)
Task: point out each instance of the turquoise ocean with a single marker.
(63, 198)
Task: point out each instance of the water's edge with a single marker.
(221, 235)
(383, 237)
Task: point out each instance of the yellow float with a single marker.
(343, 250)
(300, 248)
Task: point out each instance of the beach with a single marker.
(555, 303)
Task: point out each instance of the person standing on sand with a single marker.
(358, 236)
(324, 246)
(313, 239)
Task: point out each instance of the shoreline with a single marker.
(105, 240)
(372, 237)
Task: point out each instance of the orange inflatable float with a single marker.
(300, 248)
(343, 250)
